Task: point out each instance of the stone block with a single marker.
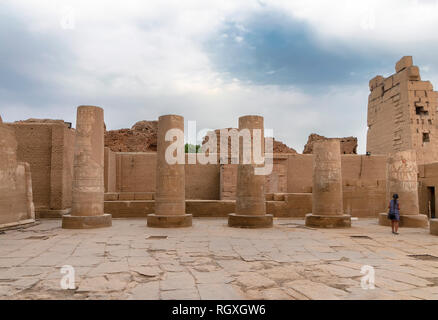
(414, 73)
(173, 221)
(434, 227)
(406, 221)
(326, 221)
(86, 222)
(420, 85)
(375, 82)
(144, 196)
(403, 63)
(376, 93)
(279, 197)
(111, 196)
(387, 84)
(123, 196)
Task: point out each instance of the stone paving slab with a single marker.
(212, 261)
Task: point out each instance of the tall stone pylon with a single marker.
(402, 178)
(170, 206)
(250, 200)
(88, 184)
(327, 202)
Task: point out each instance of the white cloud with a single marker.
(141, 59)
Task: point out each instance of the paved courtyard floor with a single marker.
(212, 261)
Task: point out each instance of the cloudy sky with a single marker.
(304, 65)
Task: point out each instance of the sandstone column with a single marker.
(401, 178)
(170, 206)
(88, 187)
(250, 197)
(327, 203)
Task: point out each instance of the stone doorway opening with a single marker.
(431, 201)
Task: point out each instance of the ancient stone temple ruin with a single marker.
(242, 216)
(74, 177)
(402, 113)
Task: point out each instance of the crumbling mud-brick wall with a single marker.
(142, 137)
(16, 203)
(47, 145)
(402, 113)
(348, 144)
(277, 146)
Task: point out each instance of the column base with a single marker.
(321, 221)
(173, 221)
(246, 221)
(50, 214)
(406, 221)
(434, 226)
(86, 222)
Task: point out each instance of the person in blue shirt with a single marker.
(394, 213)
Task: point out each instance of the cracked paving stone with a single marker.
(316, 291)
(180, 294)
(212, 261)
(219, 291)
(252, 280)
(177, 280)
(145, 291)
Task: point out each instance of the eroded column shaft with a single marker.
(401, 178)
(88, 184)
(170, 178)
(170, 206)
(327, 197)
(250, 192)
(88, 171)
(327, 178)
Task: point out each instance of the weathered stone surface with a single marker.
(88, 182)
(324, 221)
(247, 221)
(169, 221)
(278, 146)
(348, 144)
(402, 114)
(170, 206)
(327, 200)
(243, 263)
(145, 291)
(402, 172)
(16, 198)
(403, 63)
(250, 201)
